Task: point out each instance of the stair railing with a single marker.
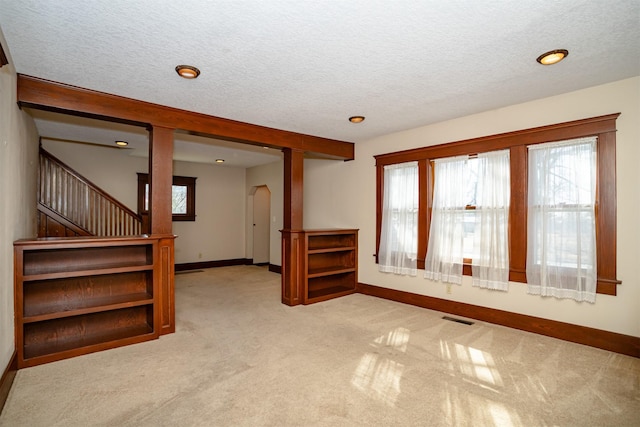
(72, 196)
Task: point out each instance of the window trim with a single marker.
(186, 181)
(603, 127)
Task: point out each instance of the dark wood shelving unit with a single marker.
(331, 260)
(79, 295)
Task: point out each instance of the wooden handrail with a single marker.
(69, 194)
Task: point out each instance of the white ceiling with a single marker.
(306, 66)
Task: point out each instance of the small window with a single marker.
(183, 197)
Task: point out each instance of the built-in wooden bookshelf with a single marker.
(331, 260)
(79, 295)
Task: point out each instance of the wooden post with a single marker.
(292, 263)
(160, 219)
(160, 179)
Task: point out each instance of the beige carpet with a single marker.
(241, 358)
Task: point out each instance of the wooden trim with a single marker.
(49, 213)
(43, 94)
(517, 227)
(610, 341)
(606, 212)
(185, 181)
(379, 204)
(425, 185)
(275, 268)
(7, 379)
(185, 266)
(293, 267)
(555, 132)
(3, 61)
(164, 267)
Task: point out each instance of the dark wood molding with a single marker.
(42, 94)
(275, 268)
(7, 379)
(52, 224)
(3, 57)
(555, 132)
(185, 181)
(164, 268)
(611, 341)
(186, 266)
(292, 267)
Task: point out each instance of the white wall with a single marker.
(271, 175)
(219, 230)
(18, 174)
(344, 195)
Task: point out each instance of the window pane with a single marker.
(179, 199)
(399, 237)
(471, 182)
(469, 251)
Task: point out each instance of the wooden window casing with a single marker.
(603, 127)
(184, 181)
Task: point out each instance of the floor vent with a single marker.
(453, 319)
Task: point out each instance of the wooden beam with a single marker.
(43, 94)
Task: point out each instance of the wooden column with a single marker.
(292, 259)
(160, 179)
(160, 219)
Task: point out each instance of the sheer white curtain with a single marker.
(399, 234)
(490, 263)
(444, 252)
(561, 241)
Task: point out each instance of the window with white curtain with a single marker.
(490, 262)
(561, 230)
(469, 222)
(399, 233)
(446, 235)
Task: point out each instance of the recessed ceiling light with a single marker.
(122, 143)
(187, 71)
(356, 119)
(552, 57)
(219, 160)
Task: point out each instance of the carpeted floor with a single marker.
(241, 358)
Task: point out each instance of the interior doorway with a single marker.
(261, 224)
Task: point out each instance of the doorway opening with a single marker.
(261, 224)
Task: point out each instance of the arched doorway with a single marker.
(261, 224)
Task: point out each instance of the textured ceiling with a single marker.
(306, 66)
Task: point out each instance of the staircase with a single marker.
(70, 205)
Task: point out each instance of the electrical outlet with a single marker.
(200, 255)
(448, 288)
